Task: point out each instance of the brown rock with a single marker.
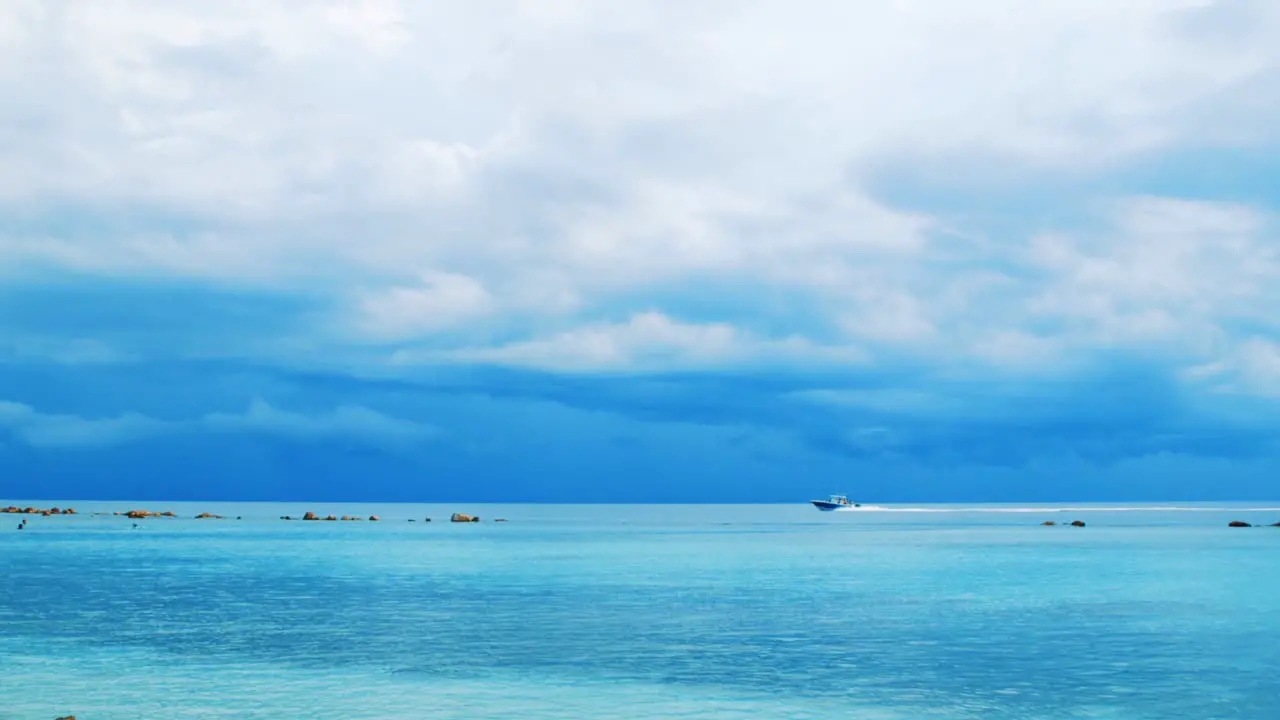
(1238, 523)
(310, 516)
(67, 717)
(331, 518)
(460, 517)
(168, 513)
(1048, 523)
(70, 511)
(209, 516)
(1077, 523)
(31, 511)
(374, 518)
(55, 511)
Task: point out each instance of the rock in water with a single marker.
(1048, 523)
(1238, 523)
(1077, 523)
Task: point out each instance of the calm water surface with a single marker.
(641, 612)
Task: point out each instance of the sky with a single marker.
(571, 251)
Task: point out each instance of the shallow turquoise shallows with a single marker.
(641, 612)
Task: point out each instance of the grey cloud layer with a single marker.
(352, 423)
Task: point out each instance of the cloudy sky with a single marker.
(911, 250)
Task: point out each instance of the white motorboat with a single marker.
(835, 502)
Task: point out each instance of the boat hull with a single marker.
(825, 506)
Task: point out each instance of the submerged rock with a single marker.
(1077, 523)
(209, 516)
(1048, 523)
(1238, 523)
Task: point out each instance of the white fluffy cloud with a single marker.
(1252, 367)
(438, 166)
(1166, 268)
(440, 301)
(647, 341)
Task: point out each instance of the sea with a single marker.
(632, 611)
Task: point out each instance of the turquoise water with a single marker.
(641, 612)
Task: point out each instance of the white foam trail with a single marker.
(1149, 508)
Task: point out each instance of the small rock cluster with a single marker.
(456, 517)
(1241, 523)
(140, 514)
(331, 518)
(15, 510)
(1073, 523)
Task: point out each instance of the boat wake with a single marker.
(979, 509)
